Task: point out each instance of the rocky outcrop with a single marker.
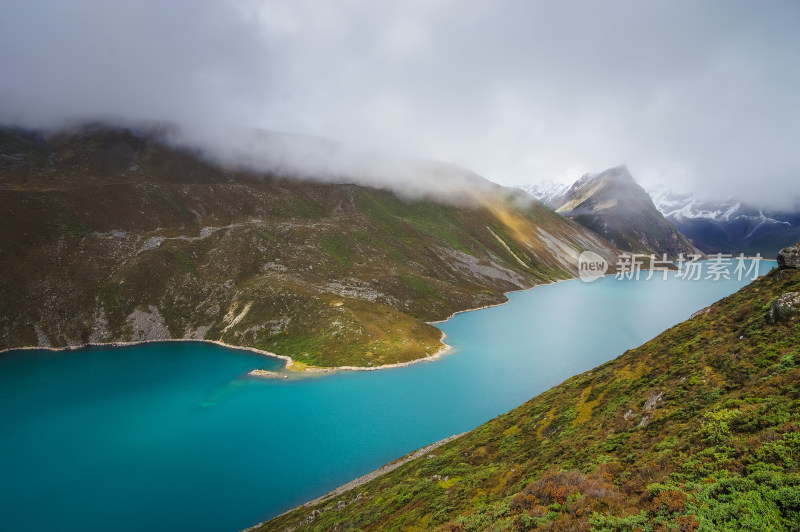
(265, 373)
(653, 401)
(148, 326)
(784, 307)
(789, 257)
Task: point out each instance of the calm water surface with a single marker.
(175, 435)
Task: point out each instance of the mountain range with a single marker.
(729, 226)
(116, 234)
(613, 205)
(661, 220)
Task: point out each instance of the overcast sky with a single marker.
(702, 93)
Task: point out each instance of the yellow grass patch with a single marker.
(583, 409)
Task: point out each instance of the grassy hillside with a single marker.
(114, 235)
(698, 429)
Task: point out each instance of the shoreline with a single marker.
(363, 479)
(445, 349)
(505, 294)
(289, 361)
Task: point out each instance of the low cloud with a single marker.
(324, 160)
(701, 95)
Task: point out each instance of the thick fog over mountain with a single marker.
(700, 95)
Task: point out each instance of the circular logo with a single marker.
(591, 266)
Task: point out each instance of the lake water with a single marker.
(176, 436)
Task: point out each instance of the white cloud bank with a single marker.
(702, 94)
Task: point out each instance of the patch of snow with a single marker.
(547, 192)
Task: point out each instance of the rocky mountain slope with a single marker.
(613, 205)
(729, 226)
(115, 235)
(698, 429)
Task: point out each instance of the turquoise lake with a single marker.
(176, 436)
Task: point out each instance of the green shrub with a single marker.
(716, 427)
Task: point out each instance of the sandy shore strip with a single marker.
(76, 347)
(298, 368)
(360, 481)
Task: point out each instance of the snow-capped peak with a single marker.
(545, 191)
